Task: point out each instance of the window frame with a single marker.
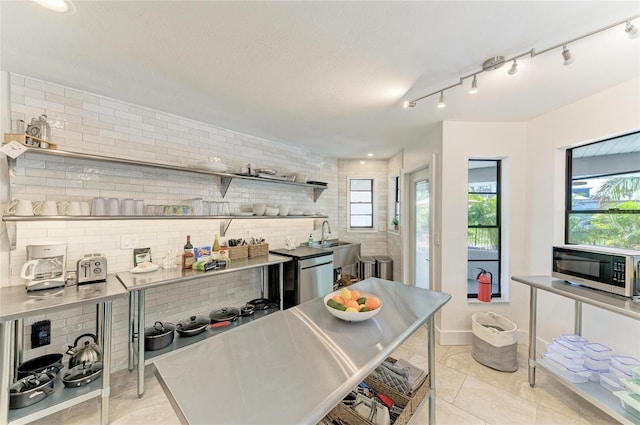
(349, 203)
(568, 209)
(497, 278)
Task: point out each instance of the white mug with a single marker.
(139, 207)
(98, 206)
(74, 208)
(113, 206)
(37, 207)
(127, 206)
(85, 208)
(283, 210)
(19, 207)
(50, 208)
(197, 206)
(63, 207)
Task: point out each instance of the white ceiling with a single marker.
(329, 77)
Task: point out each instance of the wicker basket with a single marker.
(348, 279)
(412, 402)
(236, 252)
(349, 416)
(259, 250)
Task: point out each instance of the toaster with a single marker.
(92, 268)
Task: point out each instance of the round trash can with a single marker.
(384, 267)
(366, 267)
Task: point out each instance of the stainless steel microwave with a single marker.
(608, 269)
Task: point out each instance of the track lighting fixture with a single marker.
(566, 54)
(631, 30)
(496, 62)
(474, 86)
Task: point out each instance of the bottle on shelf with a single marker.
(188, 256)
(216, 244)
(310, 241)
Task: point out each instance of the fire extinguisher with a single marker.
(484, 280)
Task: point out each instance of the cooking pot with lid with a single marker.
(90, 352)
(224, 314)
(82, 374)
(30, 390)
(47, 363)
(193, 325)
(158, 336)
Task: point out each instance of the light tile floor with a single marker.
(467, 393)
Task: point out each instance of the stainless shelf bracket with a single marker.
(224, 225)
(317, 191)
(224, 185)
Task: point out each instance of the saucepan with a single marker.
(30, 390)
(192, 326)
(158, 336)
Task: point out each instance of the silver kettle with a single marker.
(89, 353)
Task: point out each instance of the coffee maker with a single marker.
(46, 266)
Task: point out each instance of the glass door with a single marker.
(420, 232)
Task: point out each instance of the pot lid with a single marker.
(159, 329)
(82, 371)
(261, 303)
(31, 382)
(193, 323)
(225, 313)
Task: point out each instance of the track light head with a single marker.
(631, 30)
(474, 86)
(514, 68)
(441, 102)
(409, 104)
(566, 54)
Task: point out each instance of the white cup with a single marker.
(127, 206)
(85, 208)
(113, 206)
(63, 207)
(139, 207)
(98, 206)
(50, 208)
(74, 208)
(284, 210)
(19, 207)
(37, 207)
(197, 206)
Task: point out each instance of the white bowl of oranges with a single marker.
(352, 305)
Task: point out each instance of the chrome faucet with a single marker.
(328, 227)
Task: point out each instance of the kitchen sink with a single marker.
(344, 253)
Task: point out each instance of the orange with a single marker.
(355, 294)
(372, 303)
(352, 304)
(338, 299)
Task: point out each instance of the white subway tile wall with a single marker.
(89, 123)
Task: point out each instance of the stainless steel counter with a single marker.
(161, 277)
(593, 392)
(294, 366)
(138, 283)
(15, 304)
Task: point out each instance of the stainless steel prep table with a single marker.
(593, 392)
(294, 366)
(137, 283)
(16, 304)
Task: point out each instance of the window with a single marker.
(394, 206)
(483, 232)
(361, 203)
(603, 193)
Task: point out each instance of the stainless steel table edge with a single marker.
(136, 356)
(608, 302)
(317, 412)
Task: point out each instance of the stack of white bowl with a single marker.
(259, 209)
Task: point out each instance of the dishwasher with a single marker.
(308, 276)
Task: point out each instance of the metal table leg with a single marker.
(132, 303)
(533, 306)
(6, 367)
(431, 353)
(18, 348)
(106, 319)
(140, 343)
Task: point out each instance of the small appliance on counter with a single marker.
(91, 269)
(46, 266)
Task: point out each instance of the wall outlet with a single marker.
(128, 241)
